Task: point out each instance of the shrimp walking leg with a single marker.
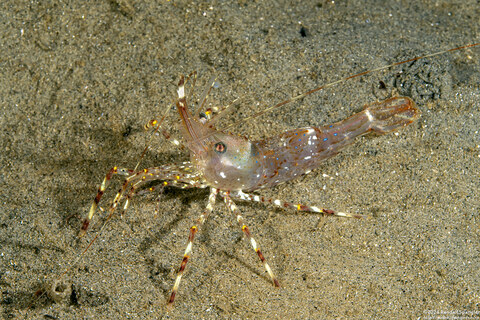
(233, 209)
(180, 176)
(98, 197)
(188, 249)
(289, 205)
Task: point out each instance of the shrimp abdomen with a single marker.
(296, 152)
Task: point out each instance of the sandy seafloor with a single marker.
(78, 81)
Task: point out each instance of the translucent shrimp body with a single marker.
(296, 152)
(232, 166)
(232, 163)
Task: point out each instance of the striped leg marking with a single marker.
(289, 205)
(233, 209)
(101, 191)
(188, 250)
(180, 176)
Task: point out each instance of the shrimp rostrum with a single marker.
(232, 166)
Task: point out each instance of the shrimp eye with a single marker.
(220, 147)
(203, 115)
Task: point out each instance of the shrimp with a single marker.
(232, 166)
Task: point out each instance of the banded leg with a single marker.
(233, 209)
(100, 192)
(288, 205)
(157, 125)
(178, 176)
(181, 176)
(188, 249)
